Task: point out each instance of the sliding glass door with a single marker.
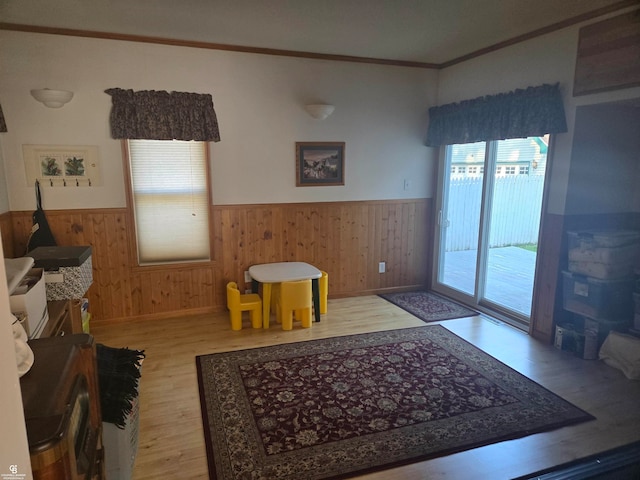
(489, 205)
(459, 216)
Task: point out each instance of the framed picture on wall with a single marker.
(319, 164)
(62, 165)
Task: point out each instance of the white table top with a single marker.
(283, 272)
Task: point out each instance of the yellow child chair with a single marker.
(238, 303)
(275, 294)
(295, 297)
(324, 291)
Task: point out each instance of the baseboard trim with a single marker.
(621, 463)
(158, 316)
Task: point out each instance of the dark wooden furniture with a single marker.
(65, 318)
(62, 409)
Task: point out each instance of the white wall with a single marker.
(604, 161)
(14, 449)
(381, 114)
(546, 59)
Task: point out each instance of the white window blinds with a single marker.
(170, 200)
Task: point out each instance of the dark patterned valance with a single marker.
(534, 111)
(160, 115)
(3, 124)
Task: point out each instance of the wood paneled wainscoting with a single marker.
(346, 239)
(6, 227)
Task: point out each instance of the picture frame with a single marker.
(62, 165)
(320, 164)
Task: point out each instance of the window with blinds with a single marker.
(170, 198)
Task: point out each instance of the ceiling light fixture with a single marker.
(319, 111)
(52, 98)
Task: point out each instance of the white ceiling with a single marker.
(429, 31)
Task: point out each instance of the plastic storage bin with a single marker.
(29, 298)
(121, 445)
(601, 328)
(582, 344)
(590, 239)
(605, 254)
(598, 299)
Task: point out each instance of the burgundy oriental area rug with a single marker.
(428, 306)
(342, 406)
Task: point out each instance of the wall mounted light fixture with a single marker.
(319, 111)
(52, 98)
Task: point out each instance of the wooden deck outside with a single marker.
(509, 277)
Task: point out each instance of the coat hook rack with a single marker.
(62, 165)
(66, 182)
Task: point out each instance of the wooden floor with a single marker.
(171, 442)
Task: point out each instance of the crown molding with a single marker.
(17, 27)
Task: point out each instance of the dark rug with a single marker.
(428, 306)
(341, 406)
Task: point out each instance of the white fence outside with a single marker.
(517, 201)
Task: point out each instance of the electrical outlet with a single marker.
(382, 267)
(247, 277)
(247, 291)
